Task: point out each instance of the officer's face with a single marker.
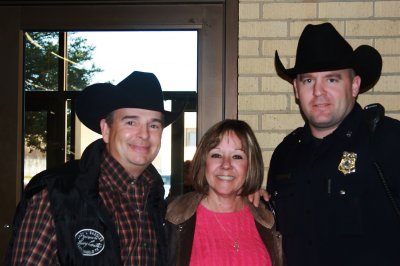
(326, 98)
(134, 137)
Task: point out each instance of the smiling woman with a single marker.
(216, 225)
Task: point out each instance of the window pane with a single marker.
(190, 135)
(41, 61)
(170, 55)
(35, 143)
(70, 137)
(81, 63)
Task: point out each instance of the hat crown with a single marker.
(321, 47)
(144, 90)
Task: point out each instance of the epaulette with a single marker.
(295, 134)
(373, 114)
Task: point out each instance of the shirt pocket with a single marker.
(347, 214)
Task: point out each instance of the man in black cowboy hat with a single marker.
(325, 178)
(108, 207)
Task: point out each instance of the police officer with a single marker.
(325, 177)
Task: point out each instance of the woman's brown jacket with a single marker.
(180, 225)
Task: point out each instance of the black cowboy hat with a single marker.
(138, 90)
(322, 48)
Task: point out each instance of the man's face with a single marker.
(326, 98)
(134, 138)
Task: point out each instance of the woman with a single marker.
(216, 224)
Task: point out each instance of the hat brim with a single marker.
(368, 65)
(287, 74)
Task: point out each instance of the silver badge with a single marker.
(348, 163)
(89, 242)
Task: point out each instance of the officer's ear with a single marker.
(355, 86)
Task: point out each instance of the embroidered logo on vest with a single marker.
(348, 163)
(89, 242)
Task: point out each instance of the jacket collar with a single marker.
(185, 206)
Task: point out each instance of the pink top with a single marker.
(227, 239)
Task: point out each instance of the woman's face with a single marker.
(226, 166)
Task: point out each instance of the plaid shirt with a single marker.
(121, 193)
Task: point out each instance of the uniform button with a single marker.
(132, 182)
(138, 210)
(342, 192)
(349, 133)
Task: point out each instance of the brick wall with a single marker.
(265, 101)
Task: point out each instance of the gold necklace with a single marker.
(236, 245)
